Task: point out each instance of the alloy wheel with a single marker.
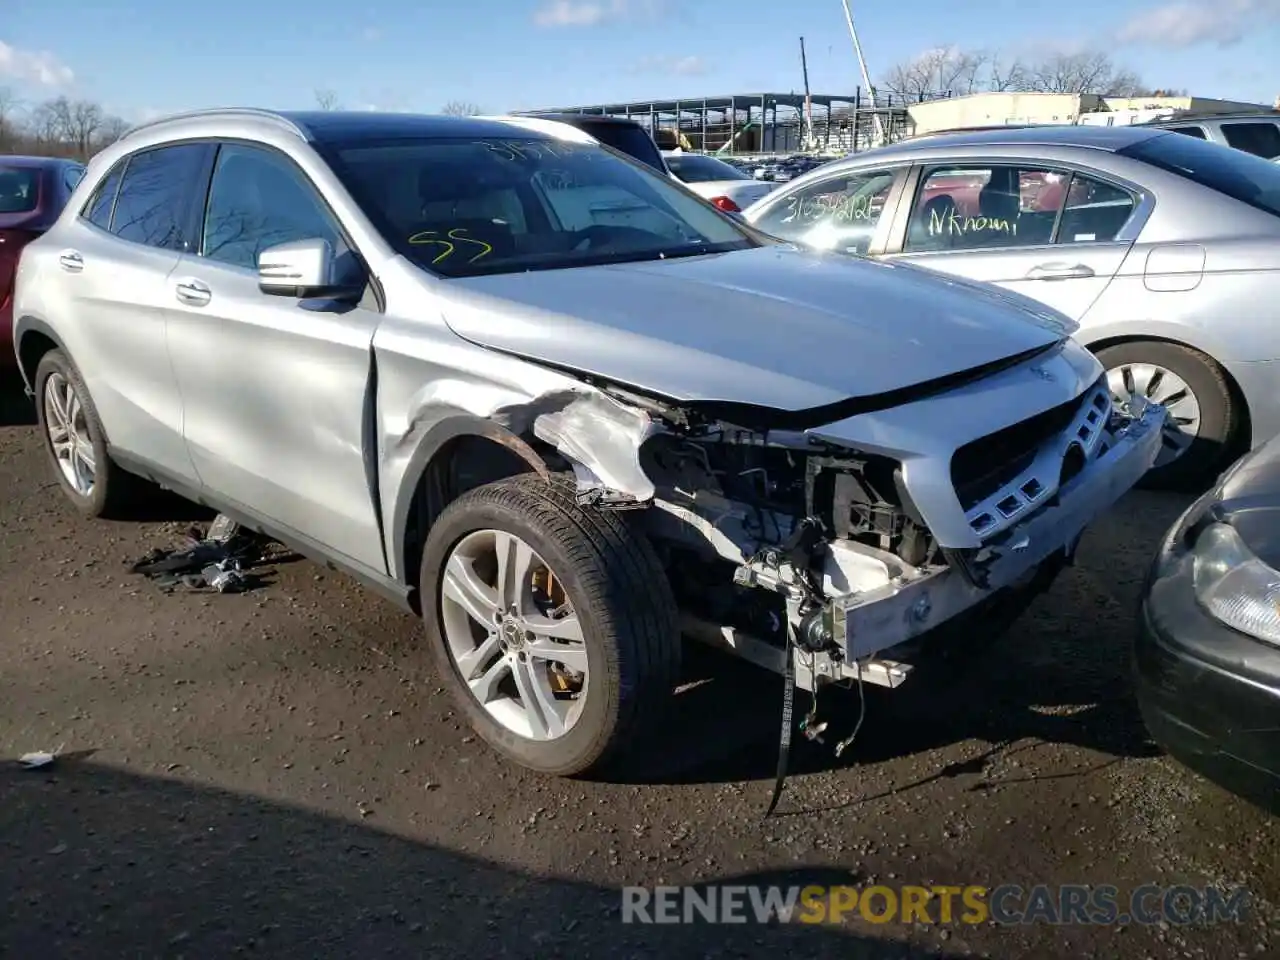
(513, 635)
(68, 432)
(1136, 385)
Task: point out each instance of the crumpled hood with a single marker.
(776, 326)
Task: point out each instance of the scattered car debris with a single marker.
(39, 759)
(218, 559)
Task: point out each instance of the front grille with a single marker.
(983, 466)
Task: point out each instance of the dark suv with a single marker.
(621, 134)
(1256, 133)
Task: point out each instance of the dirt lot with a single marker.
(280, 773)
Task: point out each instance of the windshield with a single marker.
(694, 169)
(18, 189)
(467, 207)
(1239, 175)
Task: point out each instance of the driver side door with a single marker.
(276, 389)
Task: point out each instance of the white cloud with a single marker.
(34, 66)
(590, 13)
(1186, 23)
(371, 34)
(690, 66)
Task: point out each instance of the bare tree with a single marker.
(1087, 72)
(58, 127)
(461, 108)
(8, 119)
(326, 100)
(112, 129)
(953, 71)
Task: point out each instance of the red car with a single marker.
(33, 191)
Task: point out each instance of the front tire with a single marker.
(553, 624)
(1203, 415)
(76, 443)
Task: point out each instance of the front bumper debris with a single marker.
(868, 623)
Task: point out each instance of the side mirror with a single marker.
(304, 270)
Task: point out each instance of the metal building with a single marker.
(756, 123)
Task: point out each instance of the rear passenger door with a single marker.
(125, 245)
(1049, 233)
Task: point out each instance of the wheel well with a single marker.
(34, 346)
(461, 464)
(1245, 426)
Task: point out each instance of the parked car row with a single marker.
(1165, 250)
(33, 191)
(568, 411)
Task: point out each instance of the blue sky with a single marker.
(143, 57)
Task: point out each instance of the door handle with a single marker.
(193, 292)
(71, 261)
(1059, 271)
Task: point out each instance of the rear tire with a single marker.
(76, 443)
(613, 583)
(1194, 388)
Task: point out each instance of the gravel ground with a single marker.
(281, 773)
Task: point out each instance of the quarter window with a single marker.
(99, 206)
(259, 199)
(155, 194)
(1196, 132)
(840, 213)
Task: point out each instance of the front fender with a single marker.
(429, 446)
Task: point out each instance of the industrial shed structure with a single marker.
(754, 123)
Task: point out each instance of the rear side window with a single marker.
(19, 189)
(98, 209)
(155, 196)
(627, 138)
(1238, 175)
(1260, 139)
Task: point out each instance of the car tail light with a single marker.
(725, 204)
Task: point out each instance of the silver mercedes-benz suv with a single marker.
(560, 406)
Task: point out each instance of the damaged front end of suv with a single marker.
(841, 535)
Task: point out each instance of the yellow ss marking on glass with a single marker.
(429, 237)
(455, 234)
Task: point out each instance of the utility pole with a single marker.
(808, 100)
(866, 75)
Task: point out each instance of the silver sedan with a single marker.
(1165, 250)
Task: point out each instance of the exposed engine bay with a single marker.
(781, 544)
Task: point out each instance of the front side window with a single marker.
(465, 206)
(97, 210)
(258, 199)
(1262, 138)
(840, 213)
(19, 189)
(155, 196)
